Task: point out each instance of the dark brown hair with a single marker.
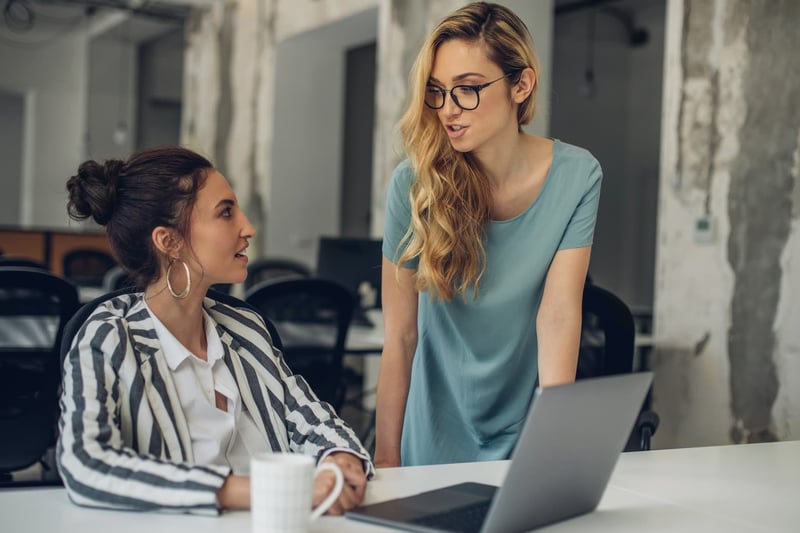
(155, 187)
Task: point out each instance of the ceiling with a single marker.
(30, 23)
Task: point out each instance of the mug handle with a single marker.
(337, 489)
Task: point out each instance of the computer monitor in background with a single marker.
(356, 264)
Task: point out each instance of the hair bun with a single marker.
(93, 190)
(112, 169)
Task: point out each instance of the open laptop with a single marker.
(559, 469)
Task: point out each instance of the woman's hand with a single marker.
(234, 493)
(355, 483)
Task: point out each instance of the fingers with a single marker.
(347, 500)
(355, 482)
(350, 496)
(323, 485)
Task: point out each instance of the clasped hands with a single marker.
(355, 482)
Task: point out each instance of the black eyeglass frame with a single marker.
(475, 88)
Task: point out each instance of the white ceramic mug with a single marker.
(281, 489)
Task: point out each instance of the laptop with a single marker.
(559, 468)
(356, 264)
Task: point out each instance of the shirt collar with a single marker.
(176, 353)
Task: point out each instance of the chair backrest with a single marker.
(35, 306)
(607, 335)
(273, 269)
(87, 267)
(607, 347)
(116, 278)
(312, 316)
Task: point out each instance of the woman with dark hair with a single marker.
(168, 393)
(486, 246)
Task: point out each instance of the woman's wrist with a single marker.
(234, 493)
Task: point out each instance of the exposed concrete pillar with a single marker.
(727, 366)
(229, 86)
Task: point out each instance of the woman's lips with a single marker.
(454, 131)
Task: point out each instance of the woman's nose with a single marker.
(450, 107)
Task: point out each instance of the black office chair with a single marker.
(116, 278)
(35, 306)
(87, 267)
(607, 348)
(273, 269)
(312, 316)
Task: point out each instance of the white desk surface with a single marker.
(725, 489)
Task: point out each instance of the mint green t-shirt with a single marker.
(475, 365)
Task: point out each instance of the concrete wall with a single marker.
(229, 89)
(728, 305)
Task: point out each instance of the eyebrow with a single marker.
(227, 202)
(460, 77)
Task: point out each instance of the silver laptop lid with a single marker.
(567, 451)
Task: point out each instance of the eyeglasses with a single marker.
(467, 97)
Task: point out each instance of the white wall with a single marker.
(307, 148)
(53, 79)
(77, 83)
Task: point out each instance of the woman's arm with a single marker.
(558, 323)
(98, 466)
(313, 428)
(399, 297)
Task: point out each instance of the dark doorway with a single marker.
(359, 115)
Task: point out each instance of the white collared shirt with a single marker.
(227, 438)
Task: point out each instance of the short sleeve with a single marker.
(580, 230)
(398, 213)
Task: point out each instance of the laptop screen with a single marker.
(354, 263)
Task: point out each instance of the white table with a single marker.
(723, 489)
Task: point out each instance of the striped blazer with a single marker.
(124, 441)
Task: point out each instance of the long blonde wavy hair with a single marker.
(451, 197)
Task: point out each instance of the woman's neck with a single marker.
(182, 317)
(507, 159)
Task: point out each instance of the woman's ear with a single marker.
(166, 241)
(523, 88)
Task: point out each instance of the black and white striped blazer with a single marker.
(124, 440)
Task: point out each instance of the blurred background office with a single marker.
(692, 107)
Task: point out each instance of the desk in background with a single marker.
(720, 489)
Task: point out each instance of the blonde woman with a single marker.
(486, 248)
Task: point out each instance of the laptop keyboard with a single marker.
(467, 519)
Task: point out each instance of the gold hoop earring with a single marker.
(185, 292)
